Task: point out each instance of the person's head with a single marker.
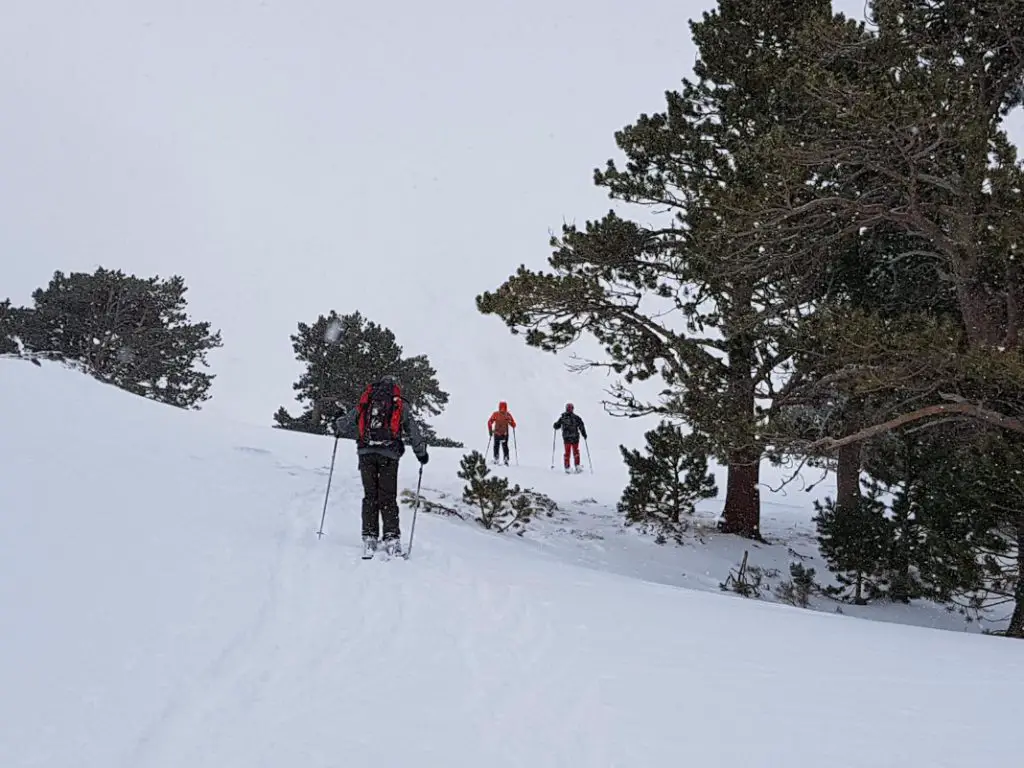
(502, 406)
(568, 408)
(390, 380)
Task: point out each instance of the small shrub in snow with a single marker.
(431, 506)
(798, 590)
(498, 505)
(443, 442)
(665, 484)
(541, 503)
(746, 580)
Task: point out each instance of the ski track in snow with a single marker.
(235, 670)
(358, 640)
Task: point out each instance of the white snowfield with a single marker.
(165, 603)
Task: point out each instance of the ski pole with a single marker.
(587, 446)
(488, 448)
(327, 495)
(553, 434)
(515, 445)
(415, 509)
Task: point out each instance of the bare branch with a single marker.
(830, 444)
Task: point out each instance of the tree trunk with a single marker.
(899, 578)
(848, 478)
(742, 512)
(1014, 300)
(984, 314)
(1016, 628)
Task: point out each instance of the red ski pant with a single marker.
(574, 449)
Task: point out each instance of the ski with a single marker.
(384, 557)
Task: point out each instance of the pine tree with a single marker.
(129, 331)
(881, 551)
(971, 550)
(854, 543)
(908, 123)
(952, 532)
(500, 505)
(676, 302)
(937, 520)
(666, 483)
(7, 328)
(345, 353)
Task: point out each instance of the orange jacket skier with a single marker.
(498, 426)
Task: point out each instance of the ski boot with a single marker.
(393, 546)
(369, 547)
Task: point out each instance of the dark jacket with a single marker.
(347, 425)
(572, 427)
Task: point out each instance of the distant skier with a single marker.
(378, 424)
(497, 427)
(572, 427)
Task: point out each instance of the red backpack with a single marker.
(380, 415)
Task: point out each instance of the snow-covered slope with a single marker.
(164, 602)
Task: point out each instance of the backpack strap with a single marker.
(364, 401)
(396, 411)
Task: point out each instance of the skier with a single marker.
(497, 427)
(378, 424)
(572, 427)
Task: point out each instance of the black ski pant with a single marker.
(500, 440)
(380, 495)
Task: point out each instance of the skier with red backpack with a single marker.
(379, 422)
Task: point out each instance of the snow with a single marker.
(165, 602)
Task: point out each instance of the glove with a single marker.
(490, 433)
(337, 426)
(423, 457)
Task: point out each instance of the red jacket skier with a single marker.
(498, 426)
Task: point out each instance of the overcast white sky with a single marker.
(292, 156)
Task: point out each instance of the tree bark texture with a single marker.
(742, 512)
(848, 477)
(1016, 628)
